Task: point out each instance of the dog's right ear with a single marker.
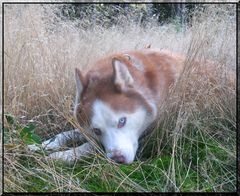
(80, 83)
(122, 77)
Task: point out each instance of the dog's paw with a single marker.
(66, 156)
(33, 147)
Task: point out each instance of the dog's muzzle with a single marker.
(117, 156)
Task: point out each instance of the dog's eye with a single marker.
(122, 122)
(97, 131)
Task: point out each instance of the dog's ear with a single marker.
(80, 83)
(122, 77)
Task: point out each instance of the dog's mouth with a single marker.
(117, 158)
(121, 156)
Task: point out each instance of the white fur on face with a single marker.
(118, 141)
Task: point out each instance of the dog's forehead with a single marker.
(104, 116)
(103, 113)
(103, 89)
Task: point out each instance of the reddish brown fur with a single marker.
(159, 73)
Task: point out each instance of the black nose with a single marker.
(119, 158)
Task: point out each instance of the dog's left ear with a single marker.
(80, 84)
(122, 77)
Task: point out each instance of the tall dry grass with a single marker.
(41, 52)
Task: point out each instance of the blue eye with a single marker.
(97, 131)
(122, 122)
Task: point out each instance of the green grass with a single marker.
(202, 163)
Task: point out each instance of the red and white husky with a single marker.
(118, 97)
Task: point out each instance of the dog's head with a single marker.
(116, 112)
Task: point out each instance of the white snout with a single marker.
(120, 142)
(121, 150)
(125, 156)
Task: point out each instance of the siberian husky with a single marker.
(118, 98)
